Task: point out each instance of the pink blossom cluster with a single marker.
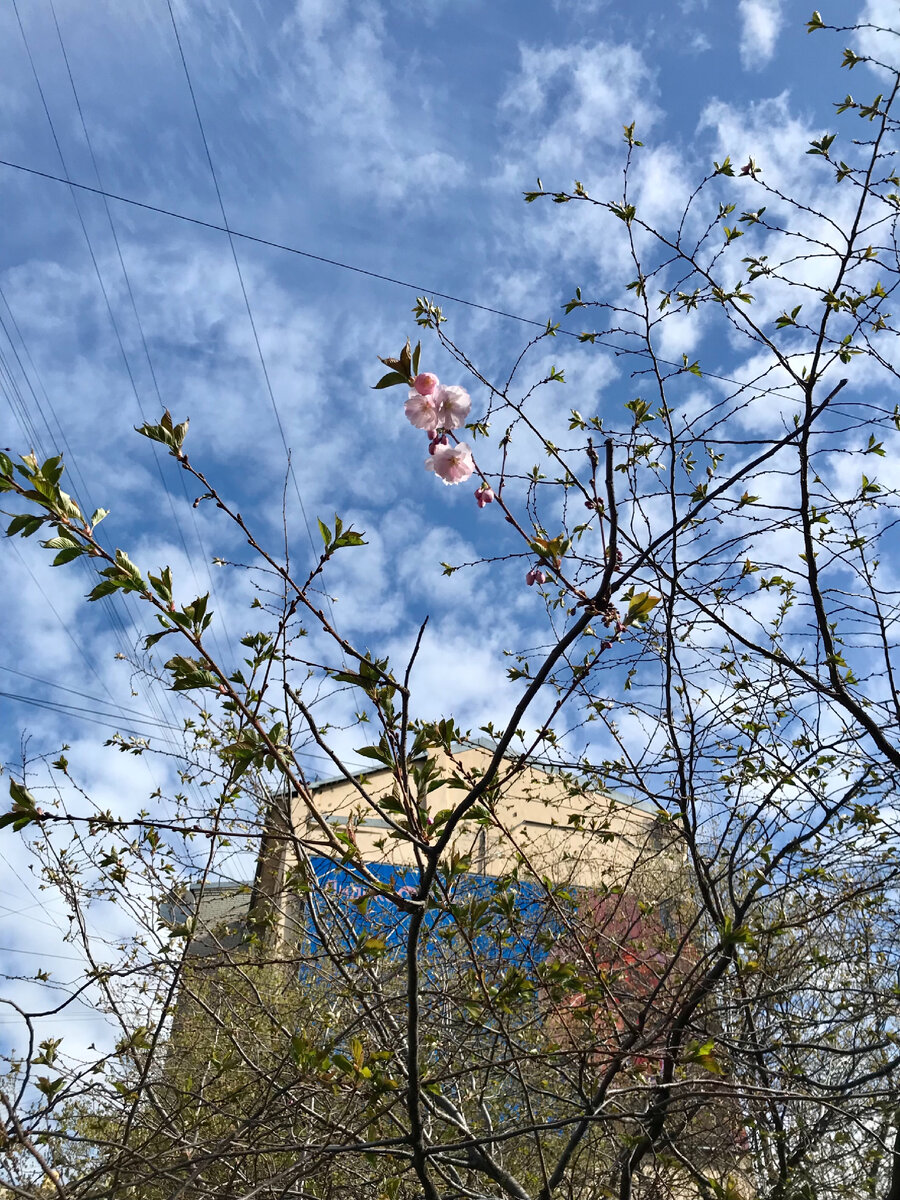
(437, 408)
(431, 405)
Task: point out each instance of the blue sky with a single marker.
(395, 137)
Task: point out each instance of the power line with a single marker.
(115, 617)
(112, 611)
(140, 325)
(240, 275)
(344, 266)
(63, 624)
(82, 695)
(91, 715)
(40, 954)
(124, 713)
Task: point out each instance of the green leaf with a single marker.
(68, 555)
(153, 638)
(48, 1086)
(325, 532)
(165, 432)
(703, 1055)
(380, 753)
(24, 808)
(189, 673)
(61, 543)
(162, 584)
(625, 212)
(25, 524)
(67, 506)
(373, 945)
(124, 563)
(105, 588)
(391, 380)
(640, 608)
(349, 538)
(100, 514)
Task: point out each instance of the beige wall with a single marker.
(544, 823)
(562, 831)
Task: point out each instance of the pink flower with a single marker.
(421, 411)
(451, 464)
(535, 575)
(453, 404)
(484, 495)
(425, 384)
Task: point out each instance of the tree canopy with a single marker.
(417, 991)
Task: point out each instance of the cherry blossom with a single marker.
(453, 404)
(425, 384)
(421, 411)
(535, 575)
(451, 464)
(484, 495)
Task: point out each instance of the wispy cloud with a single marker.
(760, 25)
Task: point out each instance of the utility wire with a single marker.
(91, 715)
(344, 266)
(240, 275)
(65, 627)
(144, 343)
(112, 610)
(124, 712)
(84, 696)
(29, 372)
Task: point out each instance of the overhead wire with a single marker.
(63, 624)
(237, 266)
(30, 373)
(600, 339)
(112, 610)
(92, 716)
(100, 280)
(76, 692)
(143, 337)
(124, 712)
(9, 385)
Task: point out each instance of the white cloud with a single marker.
(376, 125)
(881, 42)
(760, 25)
(578, 97)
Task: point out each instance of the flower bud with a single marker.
(426, 383)
(484, 495)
